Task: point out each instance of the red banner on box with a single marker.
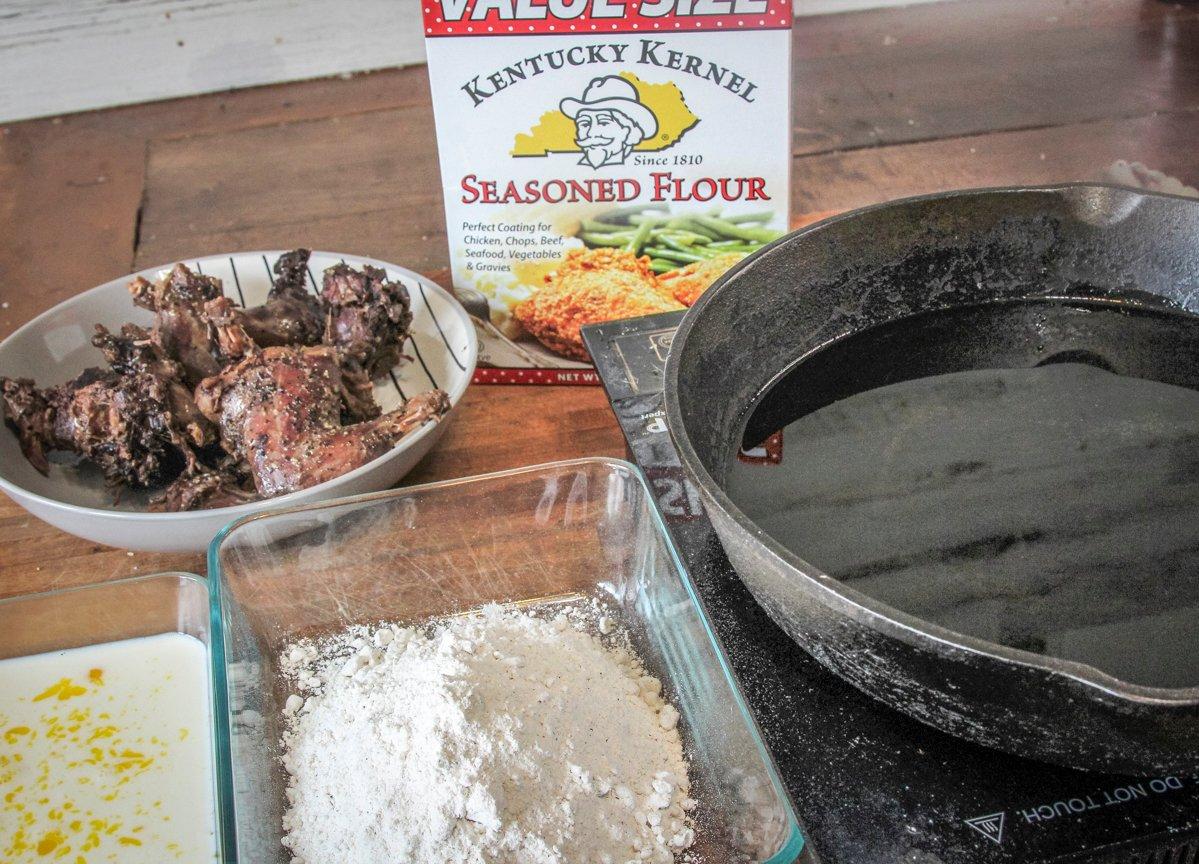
(565, 17)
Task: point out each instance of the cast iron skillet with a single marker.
(1074, 245)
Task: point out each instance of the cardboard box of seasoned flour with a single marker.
(602, 159)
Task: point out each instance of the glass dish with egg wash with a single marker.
(105, 741)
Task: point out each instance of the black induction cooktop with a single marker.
(872, 786)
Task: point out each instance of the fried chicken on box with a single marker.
(589, 287)
(604, 258)
(687, 283)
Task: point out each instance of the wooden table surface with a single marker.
(887, 103)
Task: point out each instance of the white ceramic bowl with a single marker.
(56, 346)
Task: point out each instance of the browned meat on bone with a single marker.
(291, 271)
(135, 352)
(226, 324)
(177, 301)
(133, 349)
(280, 411)
(135, 420)
(292, 314)
(207, 489)
(357, 392)
(180, 300)
(122, 422)
(368, 317)
(30, 414)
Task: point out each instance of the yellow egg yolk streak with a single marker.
(86, 750)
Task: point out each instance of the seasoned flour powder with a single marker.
(499, 737)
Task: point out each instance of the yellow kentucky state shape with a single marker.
(555, 132)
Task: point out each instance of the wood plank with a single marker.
(366, 184)
(1061, 154)
(952, 69)
(51, 49)
(77, 182)
(505, 427)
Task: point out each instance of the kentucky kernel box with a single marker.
(602, 159)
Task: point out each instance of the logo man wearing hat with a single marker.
(609, 121)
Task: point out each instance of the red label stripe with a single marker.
(492, 375)
(557, 17)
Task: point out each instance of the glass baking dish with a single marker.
(130, 608)
(583, 528)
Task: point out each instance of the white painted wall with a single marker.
(59, 56)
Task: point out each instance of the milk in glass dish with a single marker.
(105, 753)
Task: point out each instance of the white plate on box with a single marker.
(56, 346)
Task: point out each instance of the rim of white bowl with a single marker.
(228, 514)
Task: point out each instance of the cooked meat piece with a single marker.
(186, 331)
(280, 412)
(292, 314)
(368, 317)
(687, 283)
(357, 392)
(121, 422)
(588, 289)
(177, 301)
(28, 412)
(135, 352)
(208, 489)
(136, 420)
(291, 271)
(124, 424)
(228, 333)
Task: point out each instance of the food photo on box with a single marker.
(869, 540)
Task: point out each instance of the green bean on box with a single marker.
(637, 241)
(673, 241)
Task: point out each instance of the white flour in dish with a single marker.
(495, 738)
